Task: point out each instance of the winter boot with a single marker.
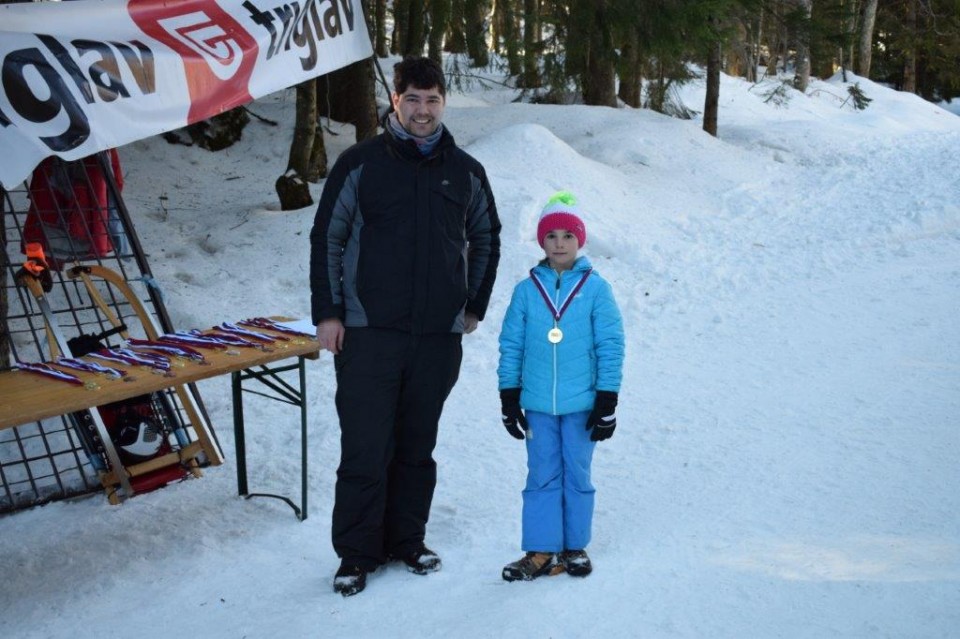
(349, 580)
(420, 560)
(576, 563)
(531, 566)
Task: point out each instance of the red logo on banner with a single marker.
(218, 54)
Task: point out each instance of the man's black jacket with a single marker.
(402, 240)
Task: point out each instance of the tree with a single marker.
(439, 20)
(600, 81)
(456, 41)
(917, 47)
(380, 28)
(349, 95)
(400, 15)
(802, 77)
(818, 41)
(711, 106)
(865, 49)
(910, 50)
(630, 71)
(476, 14)
(532, 45)
(308, 155)
(508, 29)
(590, 53)
(776, 36)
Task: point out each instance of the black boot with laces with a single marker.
(531, 566)
(420, 560)
(349, 580)
(576, 563)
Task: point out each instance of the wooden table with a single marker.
(27, 397)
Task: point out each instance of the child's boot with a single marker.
(576, 563)
(531, 566)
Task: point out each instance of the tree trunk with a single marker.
(910, 54)
(865, 53)
(776, 38)
(456, 40)
(735, 61)
(349, 95)
(509, 32)
(496, 28)
(531, 45)
(600, 78)
(711, 105)
(439, 23)
(400, 17)
(821, 53)
(477, 12)
(756, 37)
(304, 129)
(802, 78)
(849, 35)
(380, 30)
(292, 187)
(318, 158)
(415, 31)
(630, 74)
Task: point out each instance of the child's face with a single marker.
(561, 247)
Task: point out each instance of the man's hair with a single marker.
(421, 73)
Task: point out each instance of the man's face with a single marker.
(419, 110)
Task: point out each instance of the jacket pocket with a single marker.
(450, 208)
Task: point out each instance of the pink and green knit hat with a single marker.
(561, 212)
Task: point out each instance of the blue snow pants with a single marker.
(558, 498)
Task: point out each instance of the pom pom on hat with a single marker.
(561, 212)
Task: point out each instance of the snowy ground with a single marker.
(787, 458)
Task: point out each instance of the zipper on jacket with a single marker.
(556, 301)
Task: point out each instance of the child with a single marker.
(561, 359)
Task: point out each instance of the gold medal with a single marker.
(555, 336)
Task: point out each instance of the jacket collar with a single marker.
(581, 266)
(408, 150)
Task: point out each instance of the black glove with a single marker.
(602, 419)
(513, 419)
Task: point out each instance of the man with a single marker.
(404, 253)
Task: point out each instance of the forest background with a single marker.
(635, 53)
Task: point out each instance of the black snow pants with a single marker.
(391, 387)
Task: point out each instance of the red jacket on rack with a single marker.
(69, 208)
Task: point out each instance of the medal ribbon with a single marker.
(179, 351)
(181, 338)
(558, 313)
(264, 322)
(127, 356)
(236, 330)
(230, 340)
(90, 367)
(49, 371)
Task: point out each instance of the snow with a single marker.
(786, 463)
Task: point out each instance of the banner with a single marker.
(81, 77)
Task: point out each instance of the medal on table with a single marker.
(555, 335)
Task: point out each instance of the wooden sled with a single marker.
(163, 469)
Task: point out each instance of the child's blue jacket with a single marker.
(562, 378)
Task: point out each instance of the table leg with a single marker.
(238, 434)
